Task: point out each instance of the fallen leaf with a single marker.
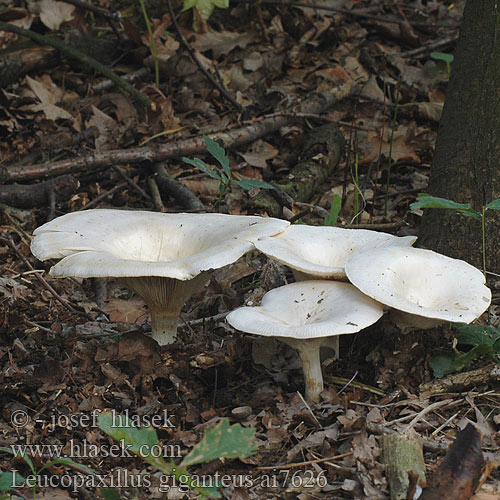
(48, 94)
(54, 13)
(459, 473)
(221, 42)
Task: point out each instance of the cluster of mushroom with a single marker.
(165, 258)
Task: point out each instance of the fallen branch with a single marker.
(321, 153)
(83, 58)
(38, 195)
(316, 103)
(173, 188)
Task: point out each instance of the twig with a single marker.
(113, 16)
(131, 183)
(356, 385)
(247, 132)
(84, 58)
(201, 321)
(130, 77)
(427, 49)
(426, 410)
(155, 194)
(188, 47)
(178, 191)
(304, 464)
(102, 159)
(309, 408)
(36, 195)
(101, 197)
(41, 279)
(347, 12)
(427, 443)
(386, 226)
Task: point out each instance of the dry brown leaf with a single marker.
(401, 150)
(54, 13)
(459, 473)
(221, 42)
(126, 311)
(48, 94)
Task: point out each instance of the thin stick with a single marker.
(188, 47)
(101, 197)
(40, 278)
(155, 193)
(131, 183)
(308, 462)
(356, 385)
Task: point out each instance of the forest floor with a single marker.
(67, 351)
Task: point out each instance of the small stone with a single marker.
(241, 412)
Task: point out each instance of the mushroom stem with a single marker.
(165, 298)
(164, 326)
(308, 350)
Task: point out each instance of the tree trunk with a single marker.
(466, 164)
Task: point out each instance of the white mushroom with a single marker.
(162, 257)
(320, 252)
(422, 287)
(303, 314)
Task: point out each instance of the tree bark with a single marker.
(466, 163)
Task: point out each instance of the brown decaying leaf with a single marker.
(458, 475)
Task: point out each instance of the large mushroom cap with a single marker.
(322, 251)
(420, 282)
(123, 243)
(308, 309)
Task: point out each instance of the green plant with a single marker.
(223, 175)
(485, 341)
(446, 58)
(205, 7)
(332, 217)
(10, 479)
(427, 201)
(391, 142)
(222, 441)
(153, 43)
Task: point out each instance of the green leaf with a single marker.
(201, 165)
(251, 183)
(427, 201)
(10, 480)
(222, 441)
(189, 4)
(441, 56)
(21, 454)
(449, 362)
(67, 461)
(218, 153)
(477, 335)
(205, 7)
(110, 493)
(135, 440)
(493, 205)
(332, 217)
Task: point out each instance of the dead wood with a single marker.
(316, 103)
(14, 64)
(462, 381)
(38, 195)
(173, 188)
(321, 153)
(403, 455)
